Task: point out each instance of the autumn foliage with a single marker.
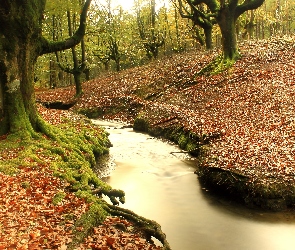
(248, 109)
(29, 219)
(39, 211)
(246, 112)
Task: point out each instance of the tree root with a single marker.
(218, 65)
(76, 155)
(148, 227)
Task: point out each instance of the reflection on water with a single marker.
(160, 184)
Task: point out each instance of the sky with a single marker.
(129, 4)
(126, 4)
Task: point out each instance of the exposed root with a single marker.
(148, 227)
(218, 65)
(76, 151)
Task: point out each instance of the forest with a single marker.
(216, 77)
(118, 39)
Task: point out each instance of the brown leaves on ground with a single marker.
(28, 218)
(250, 106)
(117, 233)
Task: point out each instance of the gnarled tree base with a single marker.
(218, 65)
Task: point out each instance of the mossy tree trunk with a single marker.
(227, 23)
(226, 12)
(78, 67)
(21, 43)
(149, 34)
(199, 17)
(208, 37)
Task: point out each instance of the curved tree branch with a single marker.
(181, 10)
(49, 47)
(213, 5)
(247, 5)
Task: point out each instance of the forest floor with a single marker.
(39, 211)
(246, 112)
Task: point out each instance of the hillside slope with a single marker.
(243, 118)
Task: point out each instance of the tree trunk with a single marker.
(118, 67)
(226, 22)
(21, 43)
(19, 97)
(77, 78)
(18, 55)
(208, 38)
(1, 101)
(87, 73)
(3, 112)
(178, 47)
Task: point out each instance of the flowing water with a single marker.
(160, 184)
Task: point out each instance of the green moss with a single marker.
(182, 141)
(71, 156)
(20, 125)
(25, 184)
(83, 227)
(190, 146)
(218, 65)
(141, 123)
(88, 196)
(58, 198)
(185, 139)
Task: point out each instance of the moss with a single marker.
(141, 123)
(149, 228)
(88, 196)
(83, 226)
(25, 184)
(58, 198)
(182, 141)
(190, 146)
(20, 125)
(275, 195)
(218, 65)
(71, 157)
(91, 113)
(175, 133)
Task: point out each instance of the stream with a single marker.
(160, 184)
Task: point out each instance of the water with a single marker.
(160, 184)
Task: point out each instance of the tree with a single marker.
(249, 26)
(200, 17)
(226, 13)
(110, 24)
(78, 68)
(150, 36)
(21, 43)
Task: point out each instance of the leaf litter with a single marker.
(250, 106)
(30, 218)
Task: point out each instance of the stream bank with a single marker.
(50, 196)
(253, 187)
(240, 123)
(159, 181)
(267, 193)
